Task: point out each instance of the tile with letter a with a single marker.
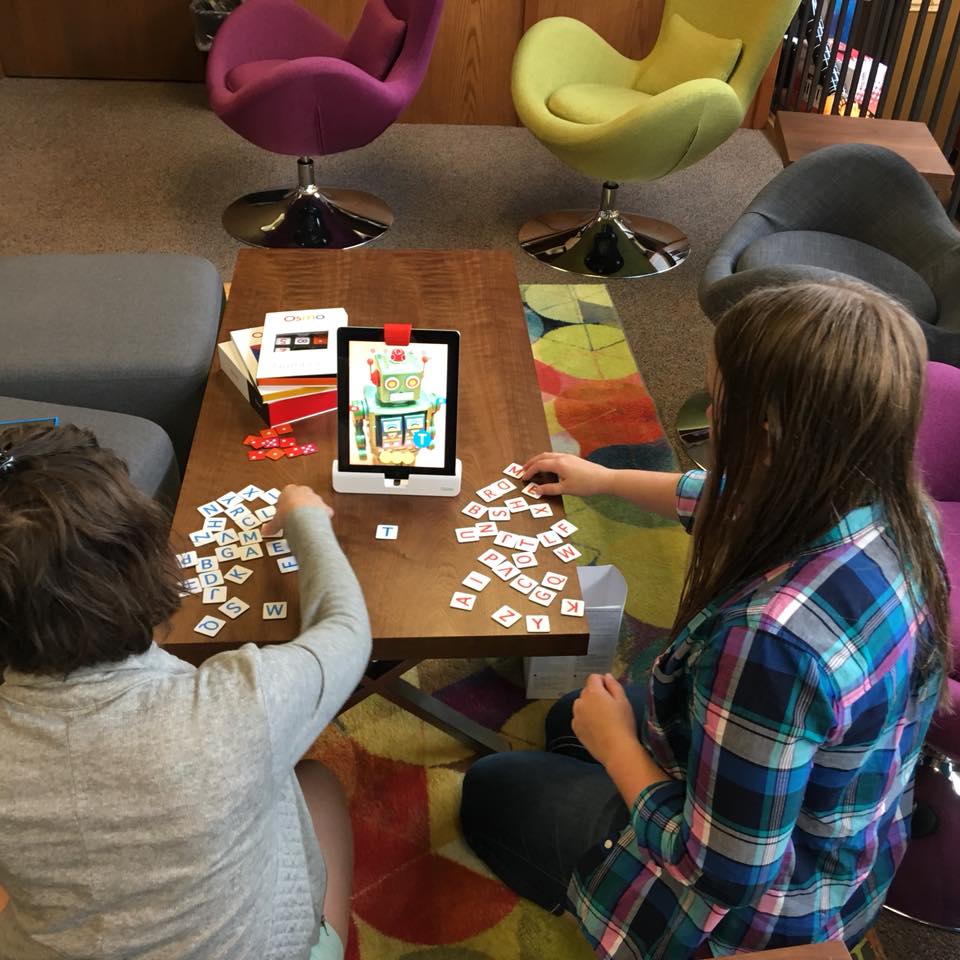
(466, 534)
(288, 564)
(538, 623)
(275, 610)
(505, 616)
(463, 601)
(210, 626)
(571, 608)
(252, 551)
(233, 607)
(475, 581)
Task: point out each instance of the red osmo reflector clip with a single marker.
(397, 334)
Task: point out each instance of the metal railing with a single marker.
(896, 59)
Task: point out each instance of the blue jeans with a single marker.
(532, 816)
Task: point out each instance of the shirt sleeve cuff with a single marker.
(654, 816)
(689, 490)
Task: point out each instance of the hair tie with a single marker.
(7, 463)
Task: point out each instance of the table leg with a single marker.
(384, 677)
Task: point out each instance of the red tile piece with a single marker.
(308, 448)
(249, 441)
(268, 432)
(283, 428)
(270, 442)
(293, 451)
(256, 443)
(287, 442)
(275, 454)
(256, 455)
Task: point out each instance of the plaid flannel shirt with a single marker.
(789, 719)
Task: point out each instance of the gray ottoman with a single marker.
(129, 333)
(143, 445)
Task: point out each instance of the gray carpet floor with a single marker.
(89, 166)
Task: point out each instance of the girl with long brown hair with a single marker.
(757, 792)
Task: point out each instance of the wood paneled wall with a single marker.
(468, 80)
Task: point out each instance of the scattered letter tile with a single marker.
(210, 626)
(250, 536)
(474, 509)
(541, 510)
(488, 494)
(549, 538)
(200, 538)
(523, 584)
(252, 551)
(466, 534)
(506, 570)
(498, 514)
(188, 559)
(529, 491)
(463, 601)
(205, 564)
(215, 524)
(250, 492)
(212, 579)
(387, 531)
(277, 548)
(567, 552)
(270, 496)
(524, 560)
(563, 527)
(514, 470)
(485, 528)
(238, 574)
(287, 564)
(228, 553)
(192, 585)
(506, 616)
(214, 594)
(248, 522)
(229, 498)
(506, 539)
(491, 558)
(233, 607)
(210, 509)
(571, 608)
(475, 581)
(527, 544)
(555, 581)
(275, 610)
(516, 504)
(543, 596)
(265, 513)
(226, 536)
(538, 623)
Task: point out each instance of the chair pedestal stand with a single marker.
(604, 243)
(693, 428)
(308, 216)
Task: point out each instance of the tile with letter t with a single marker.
(387, 531)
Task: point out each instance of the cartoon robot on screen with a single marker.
(395, 419)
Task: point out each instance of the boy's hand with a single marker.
(291, 497)
(575, 475)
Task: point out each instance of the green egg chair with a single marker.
(616, 119)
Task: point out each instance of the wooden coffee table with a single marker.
(407, 582)
(801, 133)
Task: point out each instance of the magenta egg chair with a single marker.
(287, 82)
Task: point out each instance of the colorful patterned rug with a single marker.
(420, 893)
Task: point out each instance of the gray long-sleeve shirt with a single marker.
(149, 809)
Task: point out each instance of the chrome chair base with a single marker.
(693, 428)
(307, 216)
(604, 243)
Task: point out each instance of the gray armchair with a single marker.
(854, 210)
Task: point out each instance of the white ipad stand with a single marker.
(416, 485)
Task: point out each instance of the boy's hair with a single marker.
(86, 569)
(819, 396)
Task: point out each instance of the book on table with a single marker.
(299, 347)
